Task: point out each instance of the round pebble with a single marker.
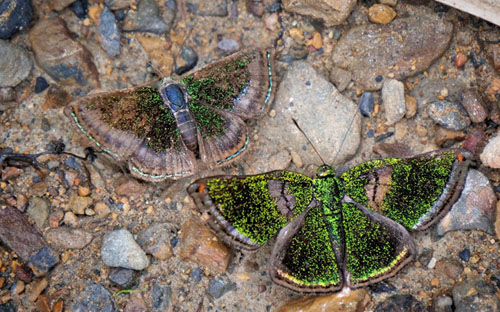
(119, 249)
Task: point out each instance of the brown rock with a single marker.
(42, 304)
(135, 304)
(411, 106)
(78, 204)
(405, 47)
(444, 135)
(9, 173)
(62, 57)
(496, 57)
(159, 53)
(120, 4)
(449, 267)
(333, 12)
(200, 245)
(39, 188)
(56, 217)
(83, 191)
(381, 14)
(354, 300)
(474, 106)
(102, 210)
(497, 222)
(56, 97)
(128, 187)
(255, 7)
(70, 219)
(67, 238)
(460, 60)
(58, 306)
(37, 288)
(317, 41)
(58, 5)
(340, 77)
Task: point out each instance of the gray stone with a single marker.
(333, 12)
(340, 78)
(38, 211)
(124, 278)
(68, 238)
(109, 33)
(474, 210)
(93, 298)
(228, 45)
(161, 297)
(219, 286)
(424, 39)
(146, 19)
(43, 260)
(400, 303)
(156, 240)
(450, 115)
(119, 249)
(186, 60)
(442, 303)
(393, 98)
(208, 8)
(491, 153)
(15, 64)
(311, 100)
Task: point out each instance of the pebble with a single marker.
(159, 53)
(411, 106)
(445, 137)
(317, 41)
(186, 60)
(255, 7)
(16, 15)
(449, 267)
(464, 254)
(94, 297)
(432, 263)
(22, 272)
(125, 186)
(61, 56)
(83, 191)
(217, 287)
(296, 159)
(393, 98)
(15, 64)
(59, 5)
(37, 287)
(450, 115)
(102, 210)
(80, 8)
(119, 4)
(346, 301)
(135, 304)
(272, 21)
(68, 238)
(339, 136)
(460, 59)
(17, 288)
(125, 278)
(381, 14)
(41, 84)
(109, 33)
(161, 297)
(474, 106)
(332, 12)
(442, 303)
(56, 217)
(42, 261)
(147, 18)
(78, 204)
(155, 240)
(7, 94)
(366, 104)
(119, 249)
(200, 245)
(421, 131)
(474, 210)
(470, 295)
(427, 38)
(491, 153)
(9, 173)
(38, 211)
(208, 8)
(400, 303)
(474, 140)
(228, 45)
(195, 275)
(340, 77)
(56, 97)
(70, 219)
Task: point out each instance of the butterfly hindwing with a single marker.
(132, 124)
(413, 191)
(375, 246)
(248, 210)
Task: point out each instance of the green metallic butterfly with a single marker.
(334, 231)
(180, 127)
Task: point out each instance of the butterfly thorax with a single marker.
(175, 99)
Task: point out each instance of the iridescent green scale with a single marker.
(332, 232)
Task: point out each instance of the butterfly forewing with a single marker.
(375, 246)
(248, 210)
(414, 191)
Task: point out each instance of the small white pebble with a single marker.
(432, 263)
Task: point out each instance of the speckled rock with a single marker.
(93, 298)
(450, 115)
(393, 98)
(338, 137)
(200, 245)
(147, 18)
(119, 249)
(15, 14)
(474, 106)
(109, 33)
(347, 301)
(155, 240)
(68, 238)
(38, 211)
(208, 8)
(405, 47)
(491, 154)
(474, 210)
(15, 64)
(124, 278)
(63, 58)
(333, 12)
(470, 295)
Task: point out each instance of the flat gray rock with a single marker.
(119, 249)
(327, 117)
(15, 64)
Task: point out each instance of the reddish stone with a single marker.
(474, 141)
(460, 60)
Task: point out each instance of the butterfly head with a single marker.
(325, 171)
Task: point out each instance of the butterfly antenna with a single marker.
(345, 135)
(308, 140)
